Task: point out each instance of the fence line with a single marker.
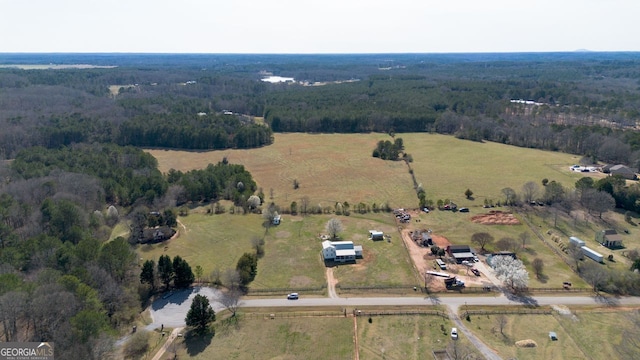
(400, 312)
(509, 312)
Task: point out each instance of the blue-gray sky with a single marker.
(318, 26)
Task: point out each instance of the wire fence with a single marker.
(280, 291)
(369, 313)
(509, 311)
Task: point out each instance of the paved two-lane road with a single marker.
(172, 310)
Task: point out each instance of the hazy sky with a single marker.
(318, 26)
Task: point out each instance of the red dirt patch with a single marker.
(496, 218)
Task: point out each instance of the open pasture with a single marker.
(577, 332)
(300, 338)
(339, 167)
(303, 337)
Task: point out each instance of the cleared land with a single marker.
(339, 167)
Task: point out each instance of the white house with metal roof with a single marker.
(340, 251)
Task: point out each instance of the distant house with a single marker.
(376, 235)
(154, 235)
(609, 238)
(340, 251)
(621, 170)
(460, 253)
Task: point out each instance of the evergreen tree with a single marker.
(147, 276)
(200, 314)
(165, 270)
(182, 275)
(247, 267)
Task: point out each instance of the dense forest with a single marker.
(73, 169)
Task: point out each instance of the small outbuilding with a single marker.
(376, 235)
(460, 253)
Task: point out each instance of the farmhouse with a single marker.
(621, 170)
(460, 253)
(376, 235)
(340, 251)
(609, 238)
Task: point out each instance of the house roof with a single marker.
(621, 169)
(462, 255)
(345, 252)
(327, 244)
(459, 248)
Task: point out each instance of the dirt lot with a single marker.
(496, 217)
(424, 261)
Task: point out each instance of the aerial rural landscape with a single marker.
(372, 206)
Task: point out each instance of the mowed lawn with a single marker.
(211, 241)
(293, 254)
(384, 263)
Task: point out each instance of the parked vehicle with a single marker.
(441, 264)
(454, 333)
(293, 296)
(475, 272)
(464, 209)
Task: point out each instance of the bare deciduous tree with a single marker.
(530, 191)
(502, 321)
(482, 239)
(231, 279)
(258, 245)
(538, 267)
(230, 299)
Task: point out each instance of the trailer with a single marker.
(592, 254)
(576, 241)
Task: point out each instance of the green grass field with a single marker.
(303, 337)
(576, 334)
(339, 167)
(291, 339)
(211, 241)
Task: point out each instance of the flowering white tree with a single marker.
(510, 271)
(253, 201)
(333, 227)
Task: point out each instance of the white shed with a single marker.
(376, 235)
